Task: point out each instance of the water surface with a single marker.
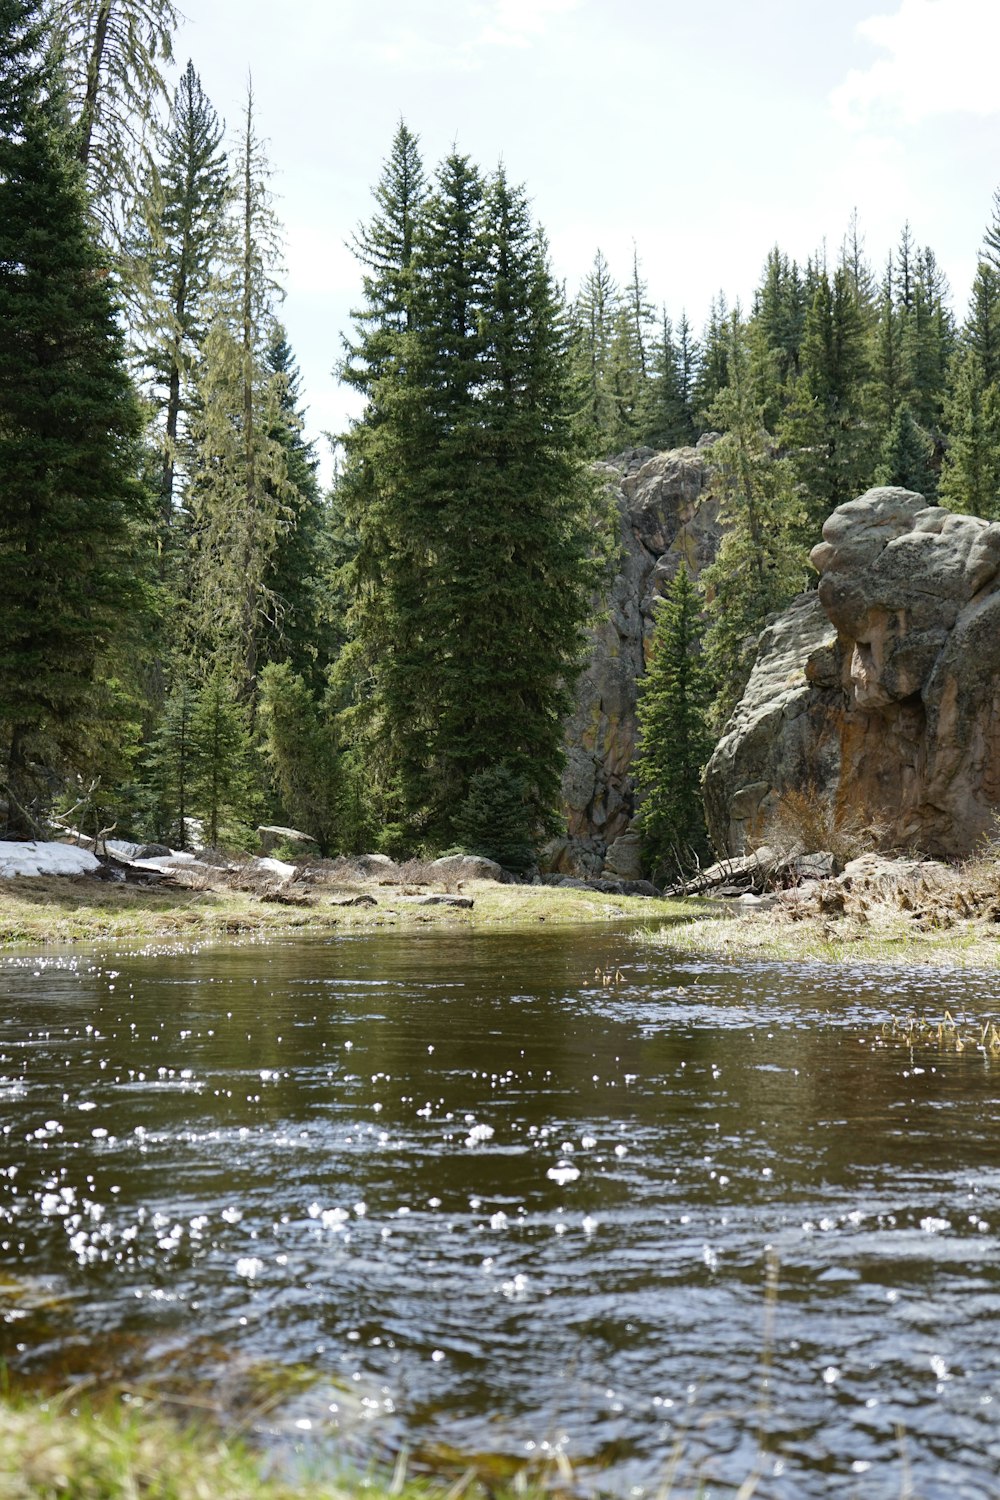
(516, 1195)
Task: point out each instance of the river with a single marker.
(555, 1198)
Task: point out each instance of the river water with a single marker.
(554, 1198)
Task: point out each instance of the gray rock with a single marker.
(272, 835)
(469, 867)
(879, 694)
(667, 512)
(465, 902)
(624, 857)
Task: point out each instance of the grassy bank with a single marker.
(886, 936)
(43, 910)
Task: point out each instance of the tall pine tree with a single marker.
(74, 520)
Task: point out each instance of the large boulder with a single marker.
(666, 512)
(880, 692)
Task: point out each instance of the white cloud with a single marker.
(447, 37)
(942, 60)
(513, 23)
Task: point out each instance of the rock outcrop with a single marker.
(879, 693)
(667, 512)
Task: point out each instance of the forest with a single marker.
(197, 637)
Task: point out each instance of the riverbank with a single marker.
(43, 910)
(875, 910)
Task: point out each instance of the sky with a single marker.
(701, 135)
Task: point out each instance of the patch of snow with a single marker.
(276, 867)
(34, 858)
(167, 861)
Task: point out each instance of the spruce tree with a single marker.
(300, 743)
(223, 782)
(178, 243)
(662, 417)
(970, 474)
(301, 564)
(114, 52)
(168, 767)
(674, 740)
(906, 455)
(384, 248)
(239, 493)
(468, 505)
(597, 318)
(74, 538)
(761, 562)
(824, 428)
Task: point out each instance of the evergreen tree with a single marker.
(713, 367)
(239, 494)
(761, 564)
(223, 784)
(688, 371)
(180, 238)
(496, 819)
(466, 502)
(661, 414)
(168, 768)
(300, 565)
(906, 455)
(981, 333)
(384, 248)
(74, 520)
(300, 743)
(114, 52)
(824, 429)
(888, 380)
(970, 474)
(674, 740)
(597, 321)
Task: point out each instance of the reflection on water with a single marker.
(478, 1194)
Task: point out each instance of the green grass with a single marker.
(46, 910)
(64, 1449)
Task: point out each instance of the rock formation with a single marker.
(666, 512)
(879, 694)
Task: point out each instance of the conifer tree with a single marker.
(168, 767)
(824, 429)
(302, 631)
(467, 505)
(301, 746)
(674, 740)
(689, 356)
(597, 321)
(223, 784)
(114, 52)
(384, 248)
(239, 493)
(981, 333)
(906, 455)
(74, 537)
(970, 473)
(180, 237)
(761, 563)
(661, 414)
(713, 367)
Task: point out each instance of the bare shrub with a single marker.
(804, 821)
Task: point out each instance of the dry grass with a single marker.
(803, 821)
(57, 909)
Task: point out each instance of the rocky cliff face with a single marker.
(880, 691)
(667, 512)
